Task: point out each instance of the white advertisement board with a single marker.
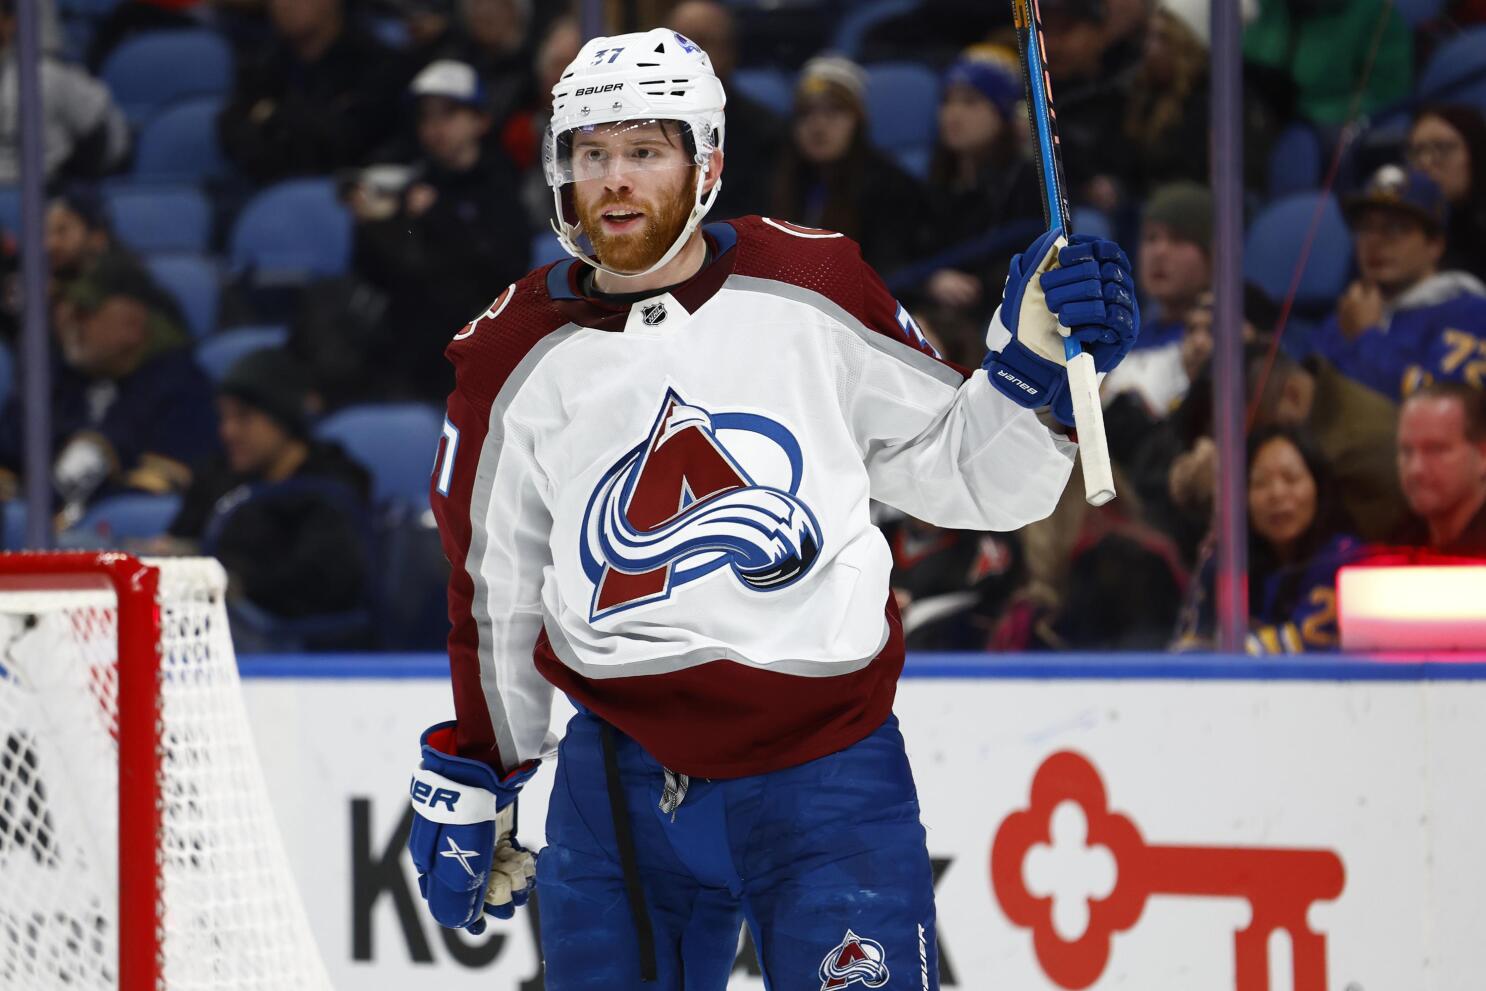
(1135, 834)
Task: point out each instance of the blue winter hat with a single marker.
(1406, 191)
(992, 70)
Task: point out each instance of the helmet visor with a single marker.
(603, 151)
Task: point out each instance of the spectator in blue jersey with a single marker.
(130, 409)
(1404, 322)
(983, 194)
(1173, 268)
(1442, 466)
(313, 101)
(286, 514)
(830, 175)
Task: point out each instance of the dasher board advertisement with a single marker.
(1086, 832)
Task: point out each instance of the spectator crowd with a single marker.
(266, 218)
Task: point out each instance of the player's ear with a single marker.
(714, 170)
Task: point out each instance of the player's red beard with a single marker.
(636, 251)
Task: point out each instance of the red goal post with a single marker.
(118, 687)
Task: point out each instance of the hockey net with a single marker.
(138, 849)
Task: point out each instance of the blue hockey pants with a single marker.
(826, 862)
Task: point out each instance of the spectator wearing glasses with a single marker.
(1442, 467)
(1404, 322)
(1448, 144)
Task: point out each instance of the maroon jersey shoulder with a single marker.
(491, 345)
(830, 264)
(827, 262)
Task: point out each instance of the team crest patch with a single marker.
(854, 960)
(706, 489)
(654, 314)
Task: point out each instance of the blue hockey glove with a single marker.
(1093, 293)
(1091, 297)
(463, 838)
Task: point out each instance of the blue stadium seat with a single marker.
(159, 218)
(294, 231)
(7, 374)
(1456, 72)
(1294, 161)
(10, 210)
(13, 514)
(217, 353)
(1275, 238)
(152, 69)
(546, 248)
(180, 144)
(770, 87)
(1087, 220)
(852, 29)
(195, 282)
(122, 517)
(902, 102)
(396, 442)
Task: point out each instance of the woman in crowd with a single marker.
(980, 184)
(1299, 536)
(1448, 143)
(830, 176)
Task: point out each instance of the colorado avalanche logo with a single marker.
(679, 505)
(856, 959)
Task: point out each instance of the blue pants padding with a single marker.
(826, 862)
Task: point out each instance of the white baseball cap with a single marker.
(452, 80)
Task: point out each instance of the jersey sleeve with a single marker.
(939, 442)
(490, 501)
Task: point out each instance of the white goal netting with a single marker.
(231, 915)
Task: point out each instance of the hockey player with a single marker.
(653, 488)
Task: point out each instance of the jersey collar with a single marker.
(587, 311)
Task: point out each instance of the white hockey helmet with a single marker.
(652, 75)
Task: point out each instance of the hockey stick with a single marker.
(1088, 414)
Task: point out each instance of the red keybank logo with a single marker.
(1279, 885)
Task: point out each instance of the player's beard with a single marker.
(636, 251)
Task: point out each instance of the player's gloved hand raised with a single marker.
(1055, 288)
(463, 839)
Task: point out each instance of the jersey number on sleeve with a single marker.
(443, 462)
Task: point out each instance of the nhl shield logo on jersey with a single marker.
(653, 314)
(704, 490)
(854, 960)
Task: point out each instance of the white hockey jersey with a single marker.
(661, 508)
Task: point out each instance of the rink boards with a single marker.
(1197, 823)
